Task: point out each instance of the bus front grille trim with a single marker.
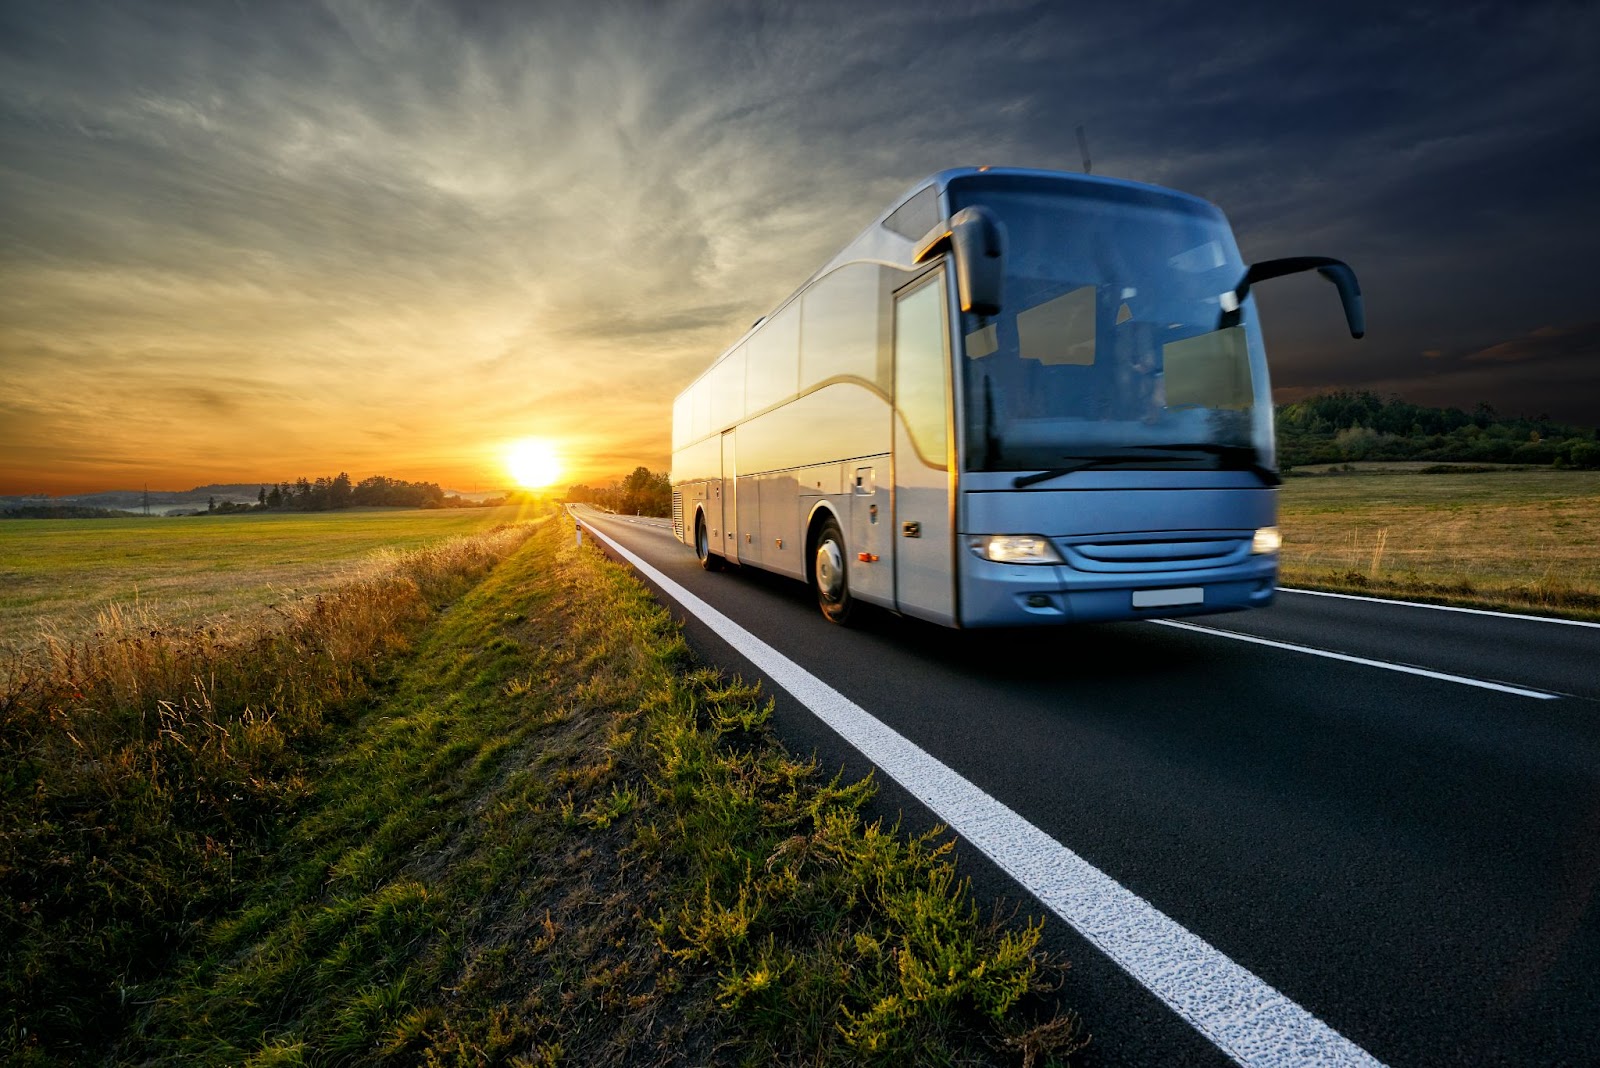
(1163, 555)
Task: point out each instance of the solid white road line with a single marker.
(1246, 1018)
(1442, 607)
(1386, 665)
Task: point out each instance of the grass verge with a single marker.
(551, 839)
(1523, 541)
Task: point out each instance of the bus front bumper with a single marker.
(1030, 595)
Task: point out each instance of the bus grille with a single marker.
(1173, 554)
(677, 515)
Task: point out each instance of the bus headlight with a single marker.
(1267, 540)
(1016, 549)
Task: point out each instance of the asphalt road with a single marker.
(1411, 858)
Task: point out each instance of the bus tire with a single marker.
(702, 545)
(830, 574)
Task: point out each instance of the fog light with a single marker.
(1038, 600)
(1267, 540)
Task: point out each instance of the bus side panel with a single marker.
(749, 526)
(697, 475)
(730, 496)
(868, 530)
(781, 551)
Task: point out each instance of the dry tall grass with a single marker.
(55, 572)
(1513, 540)
(137, 764)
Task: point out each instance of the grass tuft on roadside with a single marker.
(552, 838)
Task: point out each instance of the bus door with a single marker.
(730, 499)
(923, 565)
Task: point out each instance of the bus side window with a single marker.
(700, 400)
(772, 371)
(839, 326)
(727, 390)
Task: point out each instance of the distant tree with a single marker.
(340, 493)
(261, 496)
(211, 504)
(643, 492)
(275, 498)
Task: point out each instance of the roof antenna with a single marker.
(1083, 146)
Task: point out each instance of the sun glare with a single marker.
(533, 463)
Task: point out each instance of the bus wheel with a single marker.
(830, 575)
(702, 546)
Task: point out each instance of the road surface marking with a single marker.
(1442, 607)
(1385, 664)
(1245, 1017)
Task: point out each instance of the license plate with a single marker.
(1168, 598)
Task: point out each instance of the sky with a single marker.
(245, 242)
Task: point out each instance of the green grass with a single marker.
(540, 834)
(1526, 540)
(56, 575)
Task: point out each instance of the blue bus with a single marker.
(1019, 397)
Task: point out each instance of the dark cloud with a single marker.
(1544, 344)
(1551, 371)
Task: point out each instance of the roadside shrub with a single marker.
(1584, 454)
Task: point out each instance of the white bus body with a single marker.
(939, 421)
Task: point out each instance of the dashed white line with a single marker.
(1245, 1017)
(1346, 657)
(1442, 607)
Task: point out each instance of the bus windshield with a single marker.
(1111, 338)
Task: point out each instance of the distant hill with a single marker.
(62, 511)
(330, 492)
(161, 501)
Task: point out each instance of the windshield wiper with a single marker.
(1234, 457)
(1099, 460)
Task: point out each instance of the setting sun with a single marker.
(533, 463)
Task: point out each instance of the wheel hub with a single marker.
(830, 570)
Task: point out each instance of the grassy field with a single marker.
(57, 574)
(1516, 539)
(478, 806)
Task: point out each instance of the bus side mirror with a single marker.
(1336, 271)
(978, 239)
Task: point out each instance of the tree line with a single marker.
(330, 493)
(644, 492)
(1346, 426)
